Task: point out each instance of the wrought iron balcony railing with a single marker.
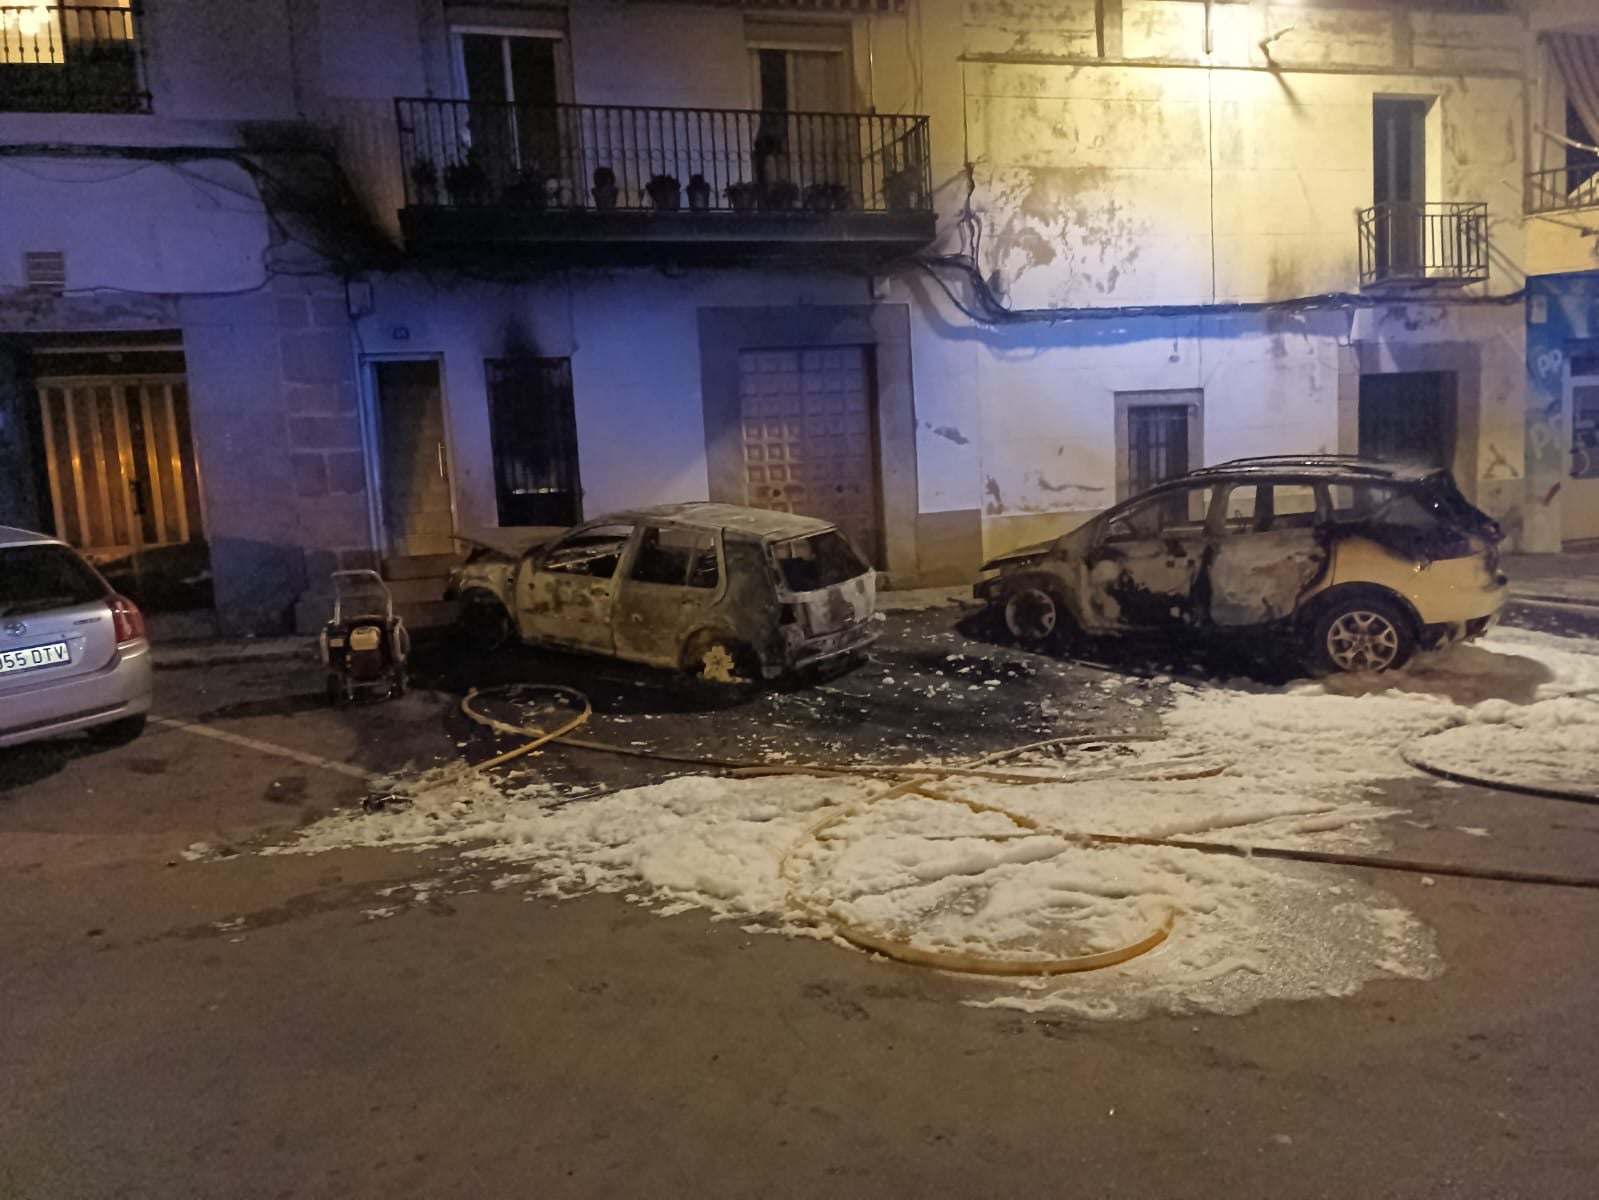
(1441, 243)
(66, 57)
(588, 157)
(1561, 189)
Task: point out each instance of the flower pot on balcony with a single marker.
(826, 197)
(467, 183)
(902, 190)
(527, 191)
(665, 193)
(604, 189)
(699, 193)
(781, 196)
(741, 196)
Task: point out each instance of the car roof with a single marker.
(1317, 466)
(11, 536)
(730, 518)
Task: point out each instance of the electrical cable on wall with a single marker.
(986, 308)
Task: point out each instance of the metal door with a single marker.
(119, 465)
(1579, 505)
(1407, 416)
(810, 442)
(418, 508)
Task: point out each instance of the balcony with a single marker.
(71, 58)
(1563, 189)
(1423, 245)
(616, 184)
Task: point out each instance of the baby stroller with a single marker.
(364, 646)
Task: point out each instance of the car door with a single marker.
(565, 593)
(1146, 559)
(1269, 547)
(668, 590)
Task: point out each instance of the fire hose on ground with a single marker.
(918, 780)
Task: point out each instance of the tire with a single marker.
(338, 695)
(120, 732)
(1035, 616)
(712, 658)
(484, 623)
(1361, 633)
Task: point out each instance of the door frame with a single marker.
(1570, 484)
(372, 443)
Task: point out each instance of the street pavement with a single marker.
(183, 1016)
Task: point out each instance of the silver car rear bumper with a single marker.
(119, 689)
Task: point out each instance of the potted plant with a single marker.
(604, 189)
(664, 192)
(699, 193)
(741, 196)
(781, 195)
(528, 190)
(466, 181)
(425, 181)
(826, 197)
(902, 189)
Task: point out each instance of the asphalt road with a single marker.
(178, 1026)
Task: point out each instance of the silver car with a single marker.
(729, 592)
(73, 653)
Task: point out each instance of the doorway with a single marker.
(1579, 508)
(1399, 183)
(1408, 417)
(111, 434)
(413, 459)
(809, 421)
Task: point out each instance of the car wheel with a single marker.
(716, 659)
(484, 623)
(119, 733)
(1034, 616)
(1362, 634)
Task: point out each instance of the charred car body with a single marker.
(729, 591)
(1360, 562)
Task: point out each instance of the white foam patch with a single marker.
(1300, 768)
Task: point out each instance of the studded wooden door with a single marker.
(810, 444)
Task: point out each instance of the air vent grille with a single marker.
(45, 270)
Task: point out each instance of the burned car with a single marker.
(713, 588)
(1358, 562)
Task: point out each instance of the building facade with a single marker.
(317, 283)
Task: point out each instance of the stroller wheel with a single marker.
(397, 685)
(336, 693)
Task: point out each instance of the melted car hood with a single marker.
(512, 541)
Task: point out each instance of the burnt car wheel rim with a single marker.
(1361, 640)
(1030, 614)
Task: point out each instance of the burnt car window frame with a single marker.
(624, 558)
(1151, 498)
(700, 540)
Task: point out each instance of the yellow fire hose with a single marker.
(917, 779)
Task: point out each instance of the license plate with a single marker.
(53, 655)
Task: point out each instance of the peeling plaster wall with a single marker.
(1109, 185)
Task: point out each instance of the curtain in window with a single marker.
(1576, 56)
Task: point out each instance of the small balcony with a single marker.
(1405, 245)
(1563, 189)
(65, 57)
(610, 183)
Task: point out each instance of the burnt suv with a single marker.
(1359, 562)
(717, 589)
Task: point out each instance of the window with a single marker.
(677, 558)
(1178, 512)
(593, 552)
(70, 57)
(533, 433)
(1157, 438)
(800, 70)
(818, 561)
(1358, 501)
(38, 577)
(516, 79)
